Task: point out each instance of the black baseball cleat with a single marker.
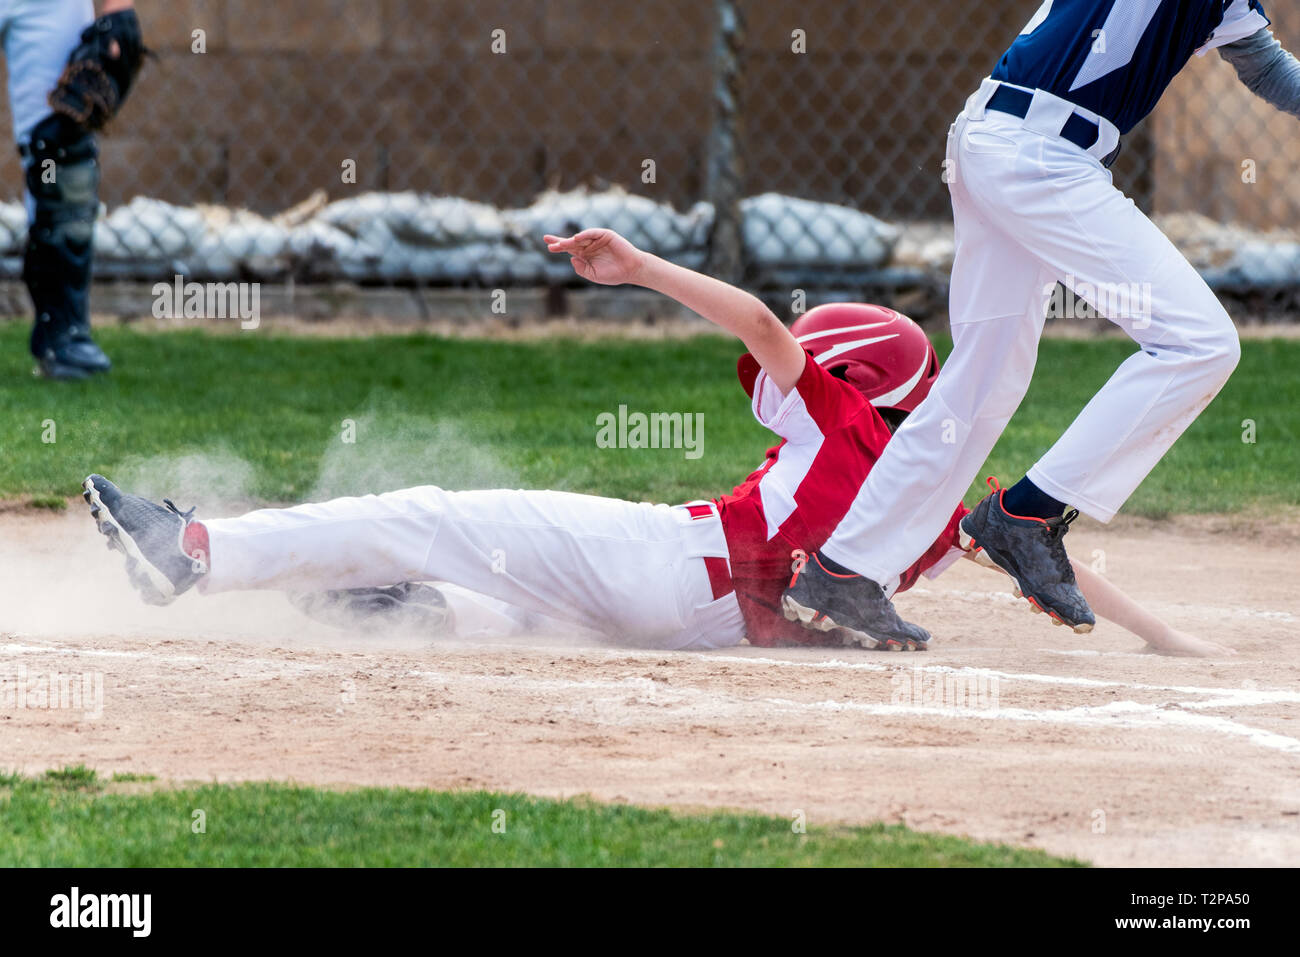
(824, 600)
(1030, 550)
(73, 357)
(409, 608)
(150, 536)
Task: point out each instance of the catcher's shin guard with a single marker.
(62, 176)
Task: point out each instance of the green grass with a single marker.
(71, 819)
(255, 417)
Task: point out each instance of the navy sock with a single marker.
(1027, 499)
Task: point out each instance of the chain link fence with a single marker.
(788, 145)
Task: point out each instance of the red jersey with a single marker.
(831, 437)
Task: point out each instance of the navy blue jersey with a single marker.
(1117, 57)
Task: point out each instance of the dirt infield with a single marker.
(1009, 729)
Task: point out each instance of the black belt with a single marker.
(1079, 130)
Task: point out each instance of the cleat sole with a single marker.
(153, 585)
(818, 621)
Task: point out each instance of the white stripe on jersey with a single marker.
(1240, 20)
(777, 487)
(774, 488)
(1038, 18)
(804, 440)
(1118, 39)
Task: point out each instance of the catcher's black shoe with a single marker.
(824, 600)
(409, 608)
(150, 536)
(74, 356)
(1030, 550)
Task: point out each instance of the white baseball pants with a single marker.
(38, 35)
(634, 572)
(1031, 208)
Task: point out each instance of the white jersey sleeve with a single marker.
(786, 415)
(818, 404)
(1242, 19)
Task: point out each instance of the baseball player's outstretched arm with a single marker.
(1268, 71)
(1111, 603)
(605, 257)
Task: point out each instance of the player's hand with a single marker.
(1176, 643)
(600, 256)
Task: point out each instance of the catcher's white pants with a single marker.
(1030, 209)
(634, 572)
(38, 36)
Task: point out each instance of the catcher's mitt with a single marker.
(100, 71)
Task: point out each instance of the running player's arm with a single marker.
(1268, 70)
(603, 256)
(1109, 602)
(1245, 41)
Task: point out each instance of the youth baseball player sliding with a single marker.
(1033, 203)
(704, 575)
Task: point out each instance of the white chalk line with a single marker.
(1210, 611)
(272, 666)
(1114, 714)
(1123, 714)
(696, 704)
(1239, 697)
(19, 649)
(1093, 653)
(1222, 697)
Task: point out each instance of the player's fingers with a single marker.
(571, 246)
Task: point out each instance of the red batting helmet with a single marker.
(882, 353)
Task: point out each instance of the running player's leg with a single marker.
(1098, 242)
(1093, 238)
(623, 568)
(997, 308)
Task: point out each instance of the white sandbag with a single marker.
(149, 229)
(654, 227)
(1258, 263)
(785, 231)
(418, 219)
(13, 228)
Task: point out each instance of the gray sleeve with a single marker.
(1267, 70)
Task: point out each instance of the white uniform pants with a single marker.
(38, 35)
(634, 572)
(1031, 209)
